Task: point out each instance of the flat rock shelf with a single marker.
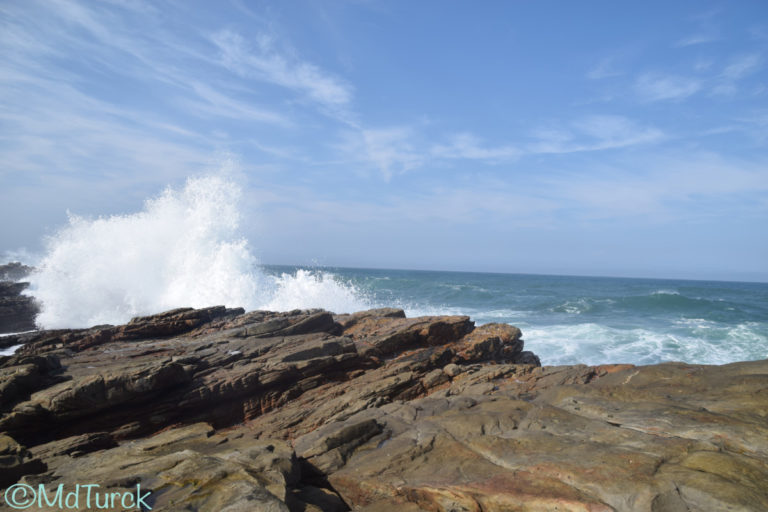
(217, 409)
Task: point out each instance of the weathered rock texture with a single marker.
(221, 410)
(17, 311)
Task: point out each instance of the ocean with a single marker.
(571, 320)
(185, 249)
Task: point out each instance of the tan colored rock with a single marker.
(487, 449)
(190, 468)
(216, 409)
(15, 461)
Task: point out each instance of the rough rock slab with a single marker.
(657, 438)
(217, 409)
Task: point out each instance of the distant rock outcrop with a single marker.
(14, 271)
(17, 311)
(216, 409)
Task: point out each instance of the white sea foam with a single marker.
(182, 249)
(9, 351)
(308, 289)
(413, 310)
(14, 333)
(496, 315)
(591, 343)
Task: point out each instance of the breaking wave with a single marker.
(182, 249)
(591, 343)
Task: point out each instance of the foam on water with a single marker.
(308, 289)
(182, 249)
(9, 351)
(591, 343)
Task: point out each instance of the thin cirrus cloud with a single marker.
(470, 147)
(263, 61)
(389, 150)
(209, 102)
(400, 149)
(396, 150)
(661, 188)
(741, 67)
(696, 39)
(606, 68)
(593, 133)
(738, 69)
(659, 87)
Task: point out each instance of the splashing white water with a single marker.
(315, 289)
(182, 249)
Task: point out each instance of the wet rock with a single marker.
(14, 271)
(17, 311)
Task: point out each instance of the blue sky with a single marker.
(603, 138)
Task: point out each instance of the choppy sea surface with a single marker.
(185, 248)
(591, 320)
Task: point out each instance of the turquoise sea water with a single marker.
(591, 320)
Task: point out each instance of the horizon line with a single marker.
(708, 280)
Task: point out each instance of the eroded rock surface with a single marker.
(218, 409)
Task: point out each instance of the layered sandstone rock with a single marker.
(218, 409)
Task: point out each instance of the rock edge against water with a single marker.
(17, 311)
(216, 409)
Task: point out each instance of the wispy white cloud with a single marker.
(593, 133)
(660, 87)
(67, 133)
(706, 29)
(209, 102)
(663, 187)
(438, 207)
(262, 61)
(470, 147)
(399, 149)
(738, 69)
(742, 66)
(658, 189)
(63, 119)
(696, 39)
(703, 64)
(390, 150)
(606, 68)
(755, 125)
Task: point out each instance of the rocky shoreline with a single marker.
(217, 409)
(17, 311)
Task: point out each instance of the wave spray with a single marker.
(183, 249)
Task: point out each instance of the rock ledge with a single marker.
(217, 409)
